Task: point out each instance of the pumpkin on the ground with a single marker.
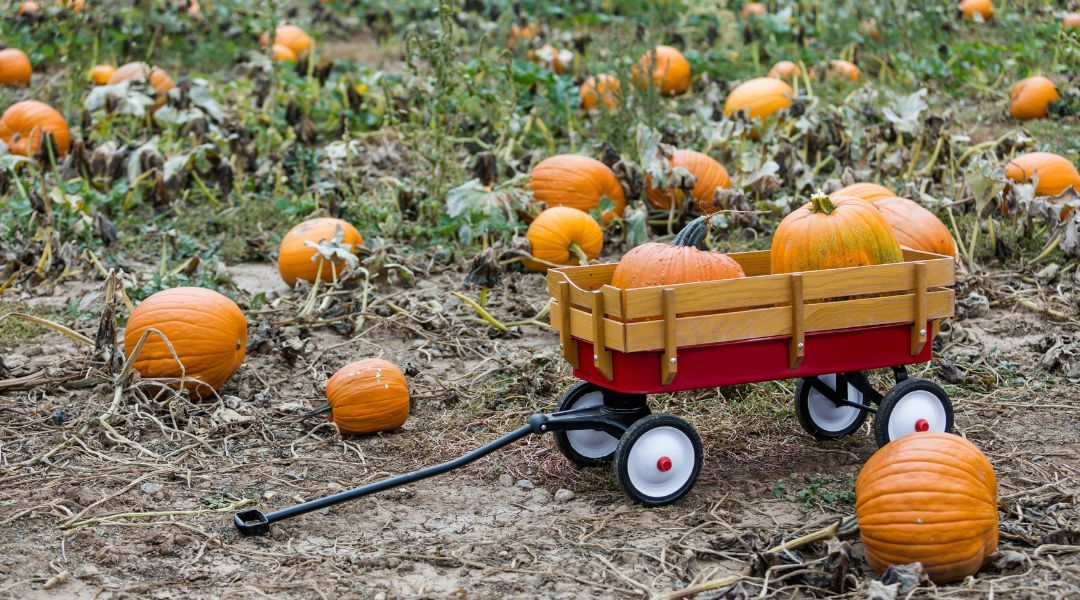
(871, 192)
(24, 124)
(281, 53)
(916, 227)
(520, 33)
(710, 175)
(298, 260)
(1071, 20)
(290, 36)
(785, 69)
(971, 9)
(601, 90)
(578, 182)
(838, 69)
(656, 263)
(552, 58)
(564, 236)
(754, 9)
(1031, 98)
(367, 396)
(100, 74)
(759, 98)
(1055, 172)
(15, 67)
(664, 68)
(207, 330)
(831, 233)
(929, 498)
(157, 77)
(29, 8)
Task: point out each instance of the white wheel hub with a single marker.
(826, 414)
(916, 411)
(591, 443)
(661, 461)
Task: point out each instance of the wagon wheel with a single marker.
(588, 447)
(823, 418)
(911, 406)
(658, 459)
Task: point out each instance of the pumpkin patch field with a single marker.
(257, 253)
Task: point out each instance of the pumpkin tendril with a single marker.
(822, 204)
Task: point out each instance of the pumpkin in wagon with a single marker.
(1055, 172)
(656, 263)
(578, 182)
(367, 396)
(929, 498)
(710, 175)
(916, 227)
(664, 68)
(24, 124)
(298, 260)
(15, 67)
(1031, 98)
(564, 236)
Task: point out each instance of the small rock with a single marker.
(269, 495)
(379, 596)
(880, 591)
(86, 571)
(1009, 559)
(525, 484)
(150, 488)
(563, 495)
(324, 511)
(506, 480)
(1048, 273)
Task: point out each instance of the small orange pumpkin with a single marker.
(929, 498)
(1055, 172)
(297, 260)
(24, 124)
(831, 233)
(654, 263)
(29, 8)
(521, 33)
(871, 192)
(603, 90)
(76, 6)
(207, 330)
(916, 227)
(664, 68)
(290, 36)
(550, 57)
(367, 396)
(14, 67)
(754, 9)
(578, 182)
(157, 77)
(100, 74)
(838, 68)
(710, 175)
(564, 236)
(281, 53)
(983, 8)
(1031, 97)
(785, 69)
(759, 98)
(1071, 20)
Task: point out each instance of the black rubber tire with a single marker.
(802, 414)
(626, 444)
(889, 401)
(569, 398)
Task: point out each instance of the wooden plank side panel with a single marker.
(581, 327)
(754, 263)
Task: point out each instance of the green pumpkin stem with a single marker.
(694, 233)
(821, 204)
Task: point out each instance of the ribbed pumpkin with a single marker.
(759, 97)
(982, 8)
(785, 69)
(24, 124)
(157, 77)
(871, 192)
(14, 67)
(1055, 172)
(206, 329)
(561, 235)
(839, 69)
(603, 90)
(664, 68)
(929, 498)
(281, 53)
(1071, 20)
(368, 395)
(709, 173)
(655, 263)
(1031, 97)
(916, 227)
(297, 260)
(100, 74)
(290, 36)
(831, 233)
(754, 9)
(578, 182)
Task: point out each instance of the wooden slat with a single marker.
(587, 280)
(669, 362)
(754, 263)
(566, 341)
(797, 346)
(918, 327)
(601, 355)
(581, 327)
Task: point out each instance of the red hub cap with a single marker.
(663, 464)
(922, 425)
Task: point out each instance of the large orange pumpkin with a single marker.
(831, 233)
(1055, 172)
(785, 69)
(368, 395)
(206, 329)
(871, 192)
(100, 74)
(562, 235)
(710, 175)
(297, 260)
(14, 67)
(982, 8)
(290, 36)
(655, 263)
(157, 77)
(916, 227)
(664, 68)
(24, 124)
(1031, 97)
(76, 6)
(1071, 20)
(603, 90)
(929, 498)
(759, 98)
(578, 182)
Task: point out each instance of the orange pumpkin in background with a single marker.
(785, 69)
(367, 396)
(578, 182)
(759, 98)
(916, 227)
(207, 330)
(600, 90)
(1071, 20)
(290, 36)
(710, 175)
(157, 77)
(15, 67)
(281, 53)
(29, 8)
(521, 33)
(754, 9)
(832, 233)
(664, 68)
(563, 235)
(838, 69)
(929, 498)
(75, 6)
(655, 263)
(870, 192)
(100, 74)
(981, 8)
(1031, 98)
(24, 124)
(296, 260)
(550, 57)
(1055, 172)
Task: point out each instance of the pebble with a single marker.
(525, 484)
(150, 488)
(564, 495)
(379, 596)
(506, 480)
(324, 511)
(269, 495)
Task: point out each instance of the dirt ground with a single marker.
(139, 504)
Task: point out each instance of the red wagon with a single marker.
(826, 328)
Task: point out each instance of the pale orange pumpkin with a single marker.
(367, 396)
(520, 33)
(29, 8)
(870, 192)
(290, 36)
(654, 263)
(754, 9)
(838, 69)
(281, 53)
(550, 57)
(207, 331)
(600, 90)
(916, 227)
(929, 498)
(297, 260)
(982, 8)
(564, 236)
(100, 74)
(75, 6)
(664, 68)
(759, 98)
(14, 67)
(1031, 98)
(1071, 20)
(157, 77)
(25, 123)
(710, 175)
(1055, 172)
(578, 182)
(785, 69)
(831, 233)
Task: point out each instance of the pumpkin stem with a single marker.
(318, 411)
(821, 204)
(578, 253)
(694, 233)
